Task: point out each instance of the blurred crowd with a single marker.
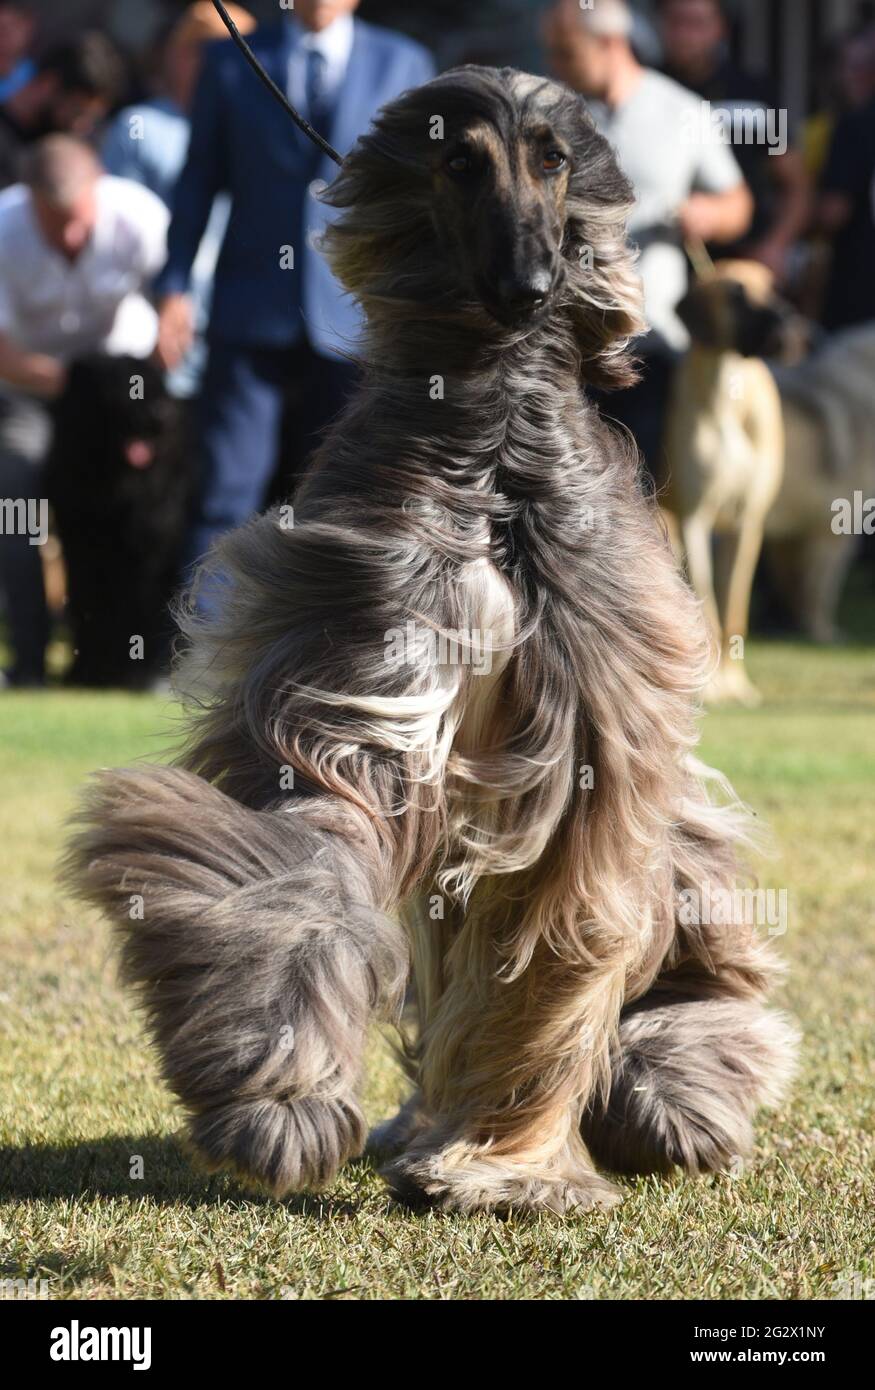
(160, 211)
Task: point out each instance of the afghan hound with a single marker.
(444, 714)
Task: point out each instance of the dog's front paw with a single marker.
(283, 1146)
(731, 685)
(468, 1181)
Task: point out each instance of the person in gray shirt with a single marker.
(687, 183)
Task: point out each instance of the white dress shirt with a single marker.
(96, 302)
(658, 138)
(335, 45)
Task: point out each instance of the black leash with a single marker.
(268, 81)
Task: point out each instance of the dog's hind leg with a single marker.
(688, 1078)
(826, 560)
(698, 1053)
(258, 945)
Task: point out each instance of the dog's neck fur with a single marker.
(508, 411)
(509, 465)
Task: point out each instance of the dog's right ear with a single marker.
(380, 247)
(697, 313)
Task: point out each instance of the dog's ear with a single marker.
(379, 248)
(606, 294)
(697, 311)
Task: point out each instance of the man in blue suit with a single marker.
(279, 320)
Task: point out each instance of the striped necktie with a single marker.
(318, 103)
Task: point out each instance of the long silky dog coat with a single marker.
(447, 715)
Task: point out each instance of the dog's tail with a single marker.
(256, 941)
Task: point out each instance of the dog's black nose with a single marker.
(523, 294)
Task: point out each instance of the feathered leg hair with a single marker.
(259, 950)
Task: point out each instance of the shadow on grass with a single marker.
(103, 1167)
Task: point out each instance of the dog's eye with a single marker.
(459, 163)
(553, 161)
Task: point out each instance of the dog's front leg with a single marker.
(261, 952)
(507, 1065)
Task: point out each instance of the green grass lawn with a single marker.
(80, 1097)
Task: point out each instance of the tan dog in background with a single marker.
(725, 445)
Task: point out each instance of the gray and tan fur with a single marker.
(279, 923)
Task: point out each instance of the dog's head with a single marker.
(117, 410)
(738, 310)
(489, 198)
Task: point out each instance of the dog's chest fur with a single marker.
(516, 531)
(724, 437)
(509, 769)
(492, 608)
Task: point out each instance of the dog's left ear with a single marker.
(607, 298)
(697, 312)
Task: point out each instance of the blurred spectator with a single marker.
(277, 316)
(76, 249)
(73, 90)
(17, 28)
(846, 214)
(491, 32)
(856, 68)
(687, 185)
(848, 85)
(695, 36)
(138, 24)
(148, 143)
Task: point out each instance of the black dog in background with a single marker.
(119, 480)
